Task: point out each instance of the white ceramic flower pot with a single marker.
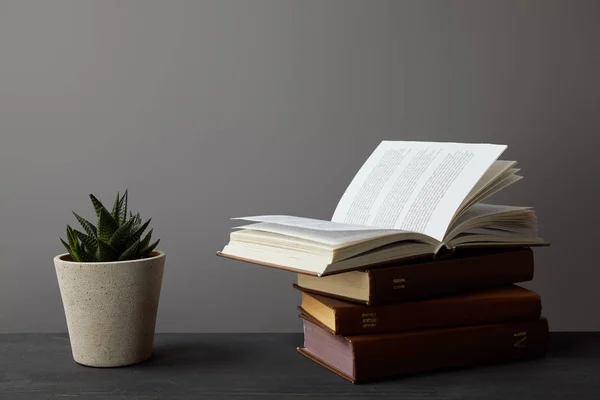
(111, 308)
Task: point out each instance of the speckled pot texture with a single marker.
(111, 308)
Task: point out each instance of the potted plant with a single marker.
(110, 282)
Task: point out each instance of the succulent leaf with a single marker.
(131, 253)
(116, 210)
(119, 238)
(75, 255)
(105, 252)
(123, 211)
(84, 256)
(72, 240)
(73, 243)
(86, 225)
(66, 245)
(146, 240)
(138, 231)
(98, 207)
(146, 252)
(107, 226)
(90, 243)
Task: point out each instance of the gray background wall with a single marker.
(207, 110)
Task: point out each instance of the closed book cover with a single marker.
(366, 358)
(340, 317)
(465, 271)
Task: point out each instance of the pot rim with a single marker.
(157, 254)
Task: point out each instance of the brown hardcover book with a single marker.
(512, 303)
(374, 357)
(464, 272)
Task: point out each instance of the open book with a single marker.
(408, 200)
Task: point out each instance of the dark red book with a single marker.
(374, 357)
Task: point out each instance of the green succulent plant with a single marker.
(116, 237)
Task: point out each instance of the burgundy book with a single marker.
(374, 357)
(465, 271)
(340, 317)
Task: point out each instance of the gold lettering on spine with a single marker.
(398, 283)
(369, 320)
(520, 340)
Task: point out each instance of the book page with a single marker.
(308, 223)
(485, 210)
(480, 215)
(496, 172)
(415, 186)
(327, 237)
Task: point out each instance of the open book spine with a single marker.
(443, 250)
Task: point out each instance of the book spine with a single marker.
(447, 348)
(447, 312)
(446, 277)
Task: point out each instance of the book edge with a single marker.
(306, 353)
(265, 264)
(335, 296)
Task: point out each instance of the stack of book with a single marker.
(414, 272)
(393, 320)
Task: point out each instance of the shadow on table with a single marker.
(568, 343)
(191, 352)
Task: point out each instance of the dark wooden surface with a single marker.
(266, 366)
